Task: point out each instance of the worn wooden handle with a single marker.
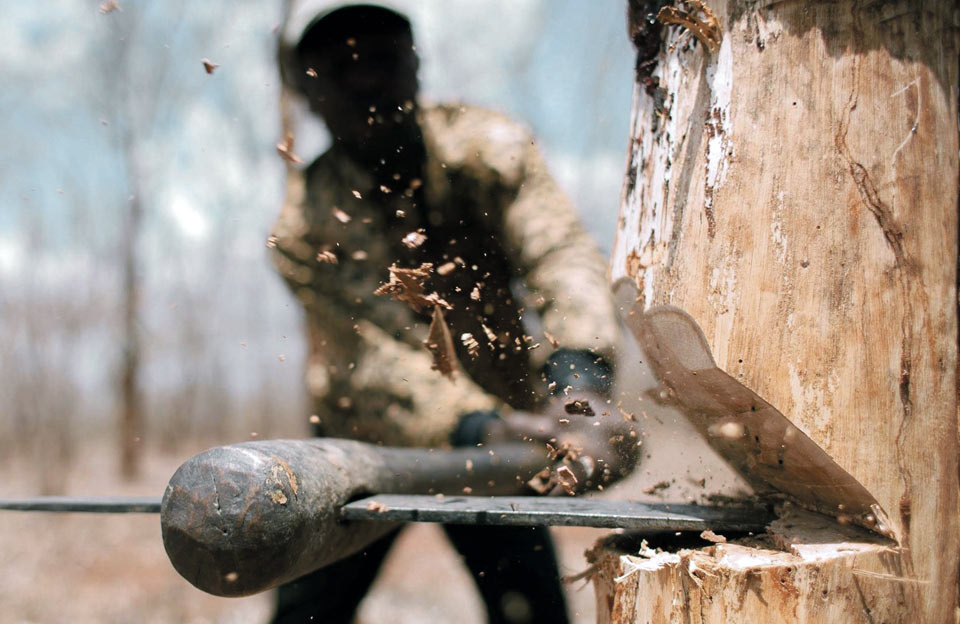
(244, 518)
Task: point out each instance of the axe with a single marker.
(243, 518)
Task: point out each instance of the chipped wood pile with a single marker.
(793, 186)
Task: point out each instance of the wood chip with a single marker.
(407, 285)
(209, 65)
(710, 536)
(414, 239)
(656, 487)
(446, 268)
(377, 506)
(340, 215)
(357, 194)
(439, 343)
(475, 293)
(700, 21)
(109, 7)
(285, 149)
(567, 480)
(311, 72)
(473, 347)
(551, 339)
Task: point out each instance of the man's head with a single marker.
(358, 69)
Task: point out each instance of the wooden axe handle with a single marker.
(241, 519)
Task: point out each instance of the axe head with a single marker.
(774, 456)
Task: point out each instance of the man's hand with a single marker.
(592, 446)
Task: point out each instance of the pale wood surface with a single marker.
(795, 191)
(803, 571)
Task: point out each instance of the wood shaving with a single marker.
(414, 239)
(341, 216)
(109, 7)
(439, 343)
(491, 337)
(311, 72)
(696, 17)
(475, 293)
(327, 257)
(551, 339)
(209, 65)
(285, 149)
(407, 285)
(357, 194)
(579, 406)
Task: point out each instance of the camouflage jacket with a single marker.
(493, 218)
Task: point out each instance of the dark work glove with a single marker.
(581, 370)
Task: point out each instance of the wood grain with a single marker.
(795, 192)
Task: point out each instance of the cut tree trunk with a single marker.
(792, 185)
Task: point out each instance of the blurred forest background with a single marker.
(137, 190)
(140, 320)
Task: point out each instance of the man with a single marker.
(466, 191)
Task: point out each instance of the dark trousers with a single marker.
(515, 569)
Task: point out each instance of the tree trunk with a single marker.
(792, 185)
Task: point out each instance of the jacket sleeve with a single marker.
(366, 383)
(561, 265)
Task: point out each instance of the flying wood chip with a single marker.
(439, 343)
(473, 347)
(109, 7)
(406, 285)
(285, 149)
(341, 216)
(415, 239)
(209, 65)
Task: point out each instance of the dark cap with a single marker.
(337, 26)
